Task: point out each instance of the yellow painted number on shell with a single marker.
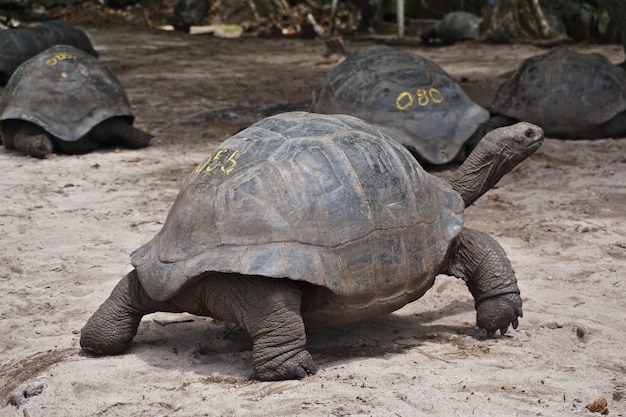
(224, 160)
(423, 96)
(435, 95)
(61, 56)
(404, 101)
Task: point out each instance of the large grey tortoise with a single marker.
(58, 32)
(453, 27)
(408, 97)
(66, 99)
(315, 218)
(16, 46)
(570, 95)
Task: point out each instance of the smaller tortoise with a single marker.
(61, 33)
(65, 99)
(570, 95)
(408, 97)
(315, 218)
(17, 46)
(454, 27)
(188, 13)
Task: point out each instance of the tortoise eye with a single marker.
(529, 133)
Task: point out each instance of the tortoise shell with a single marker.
(65, 91)
(408, 97)
(61, 33)
(456, 26)
(16, 46)
(570, 95)
(326, 200)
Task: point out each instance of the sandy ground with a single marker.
(68, 223)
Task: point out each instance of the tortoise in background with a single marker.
(408, 97)
(315, 218)
(569, 94)
(188, 13)
(16, 46)
(61, 33)
(66, 100)
(454, 27)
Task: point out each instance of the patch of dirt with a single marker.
(68, 223)
(16, 373)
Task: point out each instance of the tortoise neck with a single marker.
(498, 152)
(480, 171)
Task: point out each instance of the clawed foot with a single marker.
(298, 367)
(498, 313)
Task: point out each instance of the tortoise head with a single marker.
(497, 153)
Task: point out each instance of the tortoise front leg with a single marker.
(481, 262)
(29, 139)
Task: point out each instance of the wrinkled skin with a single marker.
(481, 262)
(497, 153)
(32, 140)
(271, 309)
(268, 309)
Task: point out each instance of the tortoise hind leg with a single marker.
(113, 326)
(110, 131)
(80, 146)
(614, 128)
(119, 128)
(269, 310)
(111, 329)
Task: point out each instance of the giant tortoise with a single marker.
(315, 218)
(16, 46)
(453, 27)
(65, 99)
(58, 32)
(408, 97)
(569, 94)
